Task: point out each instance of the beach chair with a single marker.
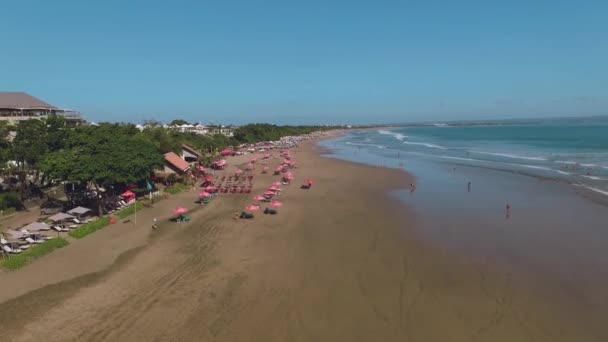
(269, 211)
(60, 229)
(246, 215)
(31, 241)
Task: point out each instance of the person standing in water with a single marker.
(507, 211)
(469, 187)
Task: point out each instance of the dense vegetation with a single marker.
(108, 155)
(253, 133)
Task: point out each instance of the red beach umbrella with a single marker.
(180, 210)
(277, 183)
(276, 203)
(252, 207)
(259, 198)
(128, 193)
(273, 188)
(269, 193)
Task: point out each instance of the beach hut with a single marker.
(37, 226)
(79, 211)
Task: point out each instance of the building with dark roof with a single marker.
(17, 106)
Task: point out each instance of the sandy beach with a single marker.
(340, 262)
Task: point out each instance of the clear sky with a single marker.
(308, 61)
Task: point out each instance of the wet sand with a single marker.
(340, 262)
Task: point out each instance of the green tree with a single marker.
(5, 144)
(178, 122)
(103, 155)
(30, 143)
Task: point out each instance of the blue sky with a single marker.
(308, 61)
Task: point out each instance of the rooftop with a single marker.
(176, 161)
(20, 100)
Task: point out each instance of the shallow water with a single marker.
(555, 237)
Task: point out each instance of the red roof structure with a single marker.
(176, 163)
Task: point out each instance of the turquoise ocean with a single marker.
(569, 150)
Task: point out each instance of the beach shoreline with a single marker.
(341, 261)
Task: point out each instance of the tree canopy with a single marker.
(104, 154)
(178, 122)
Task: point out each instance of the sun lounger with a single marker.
(246, 215)
(32, 241)
(77, 221)
(11, 250)
(270, 211)
(60, 229)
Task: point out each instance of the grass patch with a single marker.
(130, 210)
(175, 188)
(7, 211)
(89, 228)
(17, 261)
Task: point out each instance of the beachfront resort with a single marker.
(46, 203)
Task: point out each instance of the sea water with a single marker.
(573, 151)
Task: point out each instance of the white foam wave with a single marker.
(507, 155)
(542, 168)
(603, 192)
(595, 178)
(494, 162)
(566, 162)
(362, 144)
(424, 144)
(397, 136)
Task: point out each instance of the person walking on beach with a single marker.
(469, 187)
(412, 188)
(154, 223)
(507, 211)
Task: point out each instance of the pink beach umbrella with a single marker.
(210, 188)
(269, 193)
(180, 210)
(266, 168)
(259, 198)
(238, 171)
(253, 160)
(277, 183)
(276, 203)
(273, 188)
(204, 194)
(252, 207)
(250, 166)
